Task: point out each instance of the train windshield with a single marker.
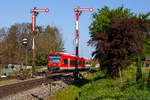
(54, 58)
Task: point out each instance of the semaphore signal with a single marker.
(39, 10)
(78, 12)
(35, 13)
(83, 9)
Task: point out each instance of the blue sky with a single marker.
(61, 15)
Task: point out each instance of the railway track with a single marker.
(11, 89)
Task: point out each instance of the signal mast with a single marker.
(78, 12)
(35, 12)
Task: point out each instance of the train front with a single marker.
(54, 61)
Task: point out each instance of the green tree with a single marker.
(102, 18)
(100, 29)
(47, 40)
(50, 40)
(12, 49)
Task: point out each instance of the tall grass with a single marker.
(97, 87)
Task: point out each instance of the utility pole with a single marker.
(78, 12)
(35, 12)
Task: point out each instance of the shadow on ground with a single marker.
(83, 81)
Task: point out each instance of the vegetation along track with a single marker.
(7, 78)
(7, 90)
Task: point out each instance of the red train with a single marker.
(62, 61)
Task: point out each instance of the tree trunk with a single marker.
(139, 71)
(120, 75)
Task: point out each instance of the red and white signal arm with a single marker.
(39, 10)
(84, 9)
(33, 22)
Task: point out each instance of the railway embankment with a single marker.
(38, 93)
(37, 89)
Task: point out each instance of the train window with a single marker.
(80, 62)
(54, 58)
(65, 61)
(72, 63)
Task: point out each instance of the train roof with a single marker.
(66, 54)
(61, 53)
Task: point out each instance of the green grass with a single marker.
(96, 87)
(38, 67)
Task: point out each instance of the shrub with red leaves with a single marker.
(123, 39)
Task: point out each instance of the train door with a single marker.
(68, 63)
(65, 63)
